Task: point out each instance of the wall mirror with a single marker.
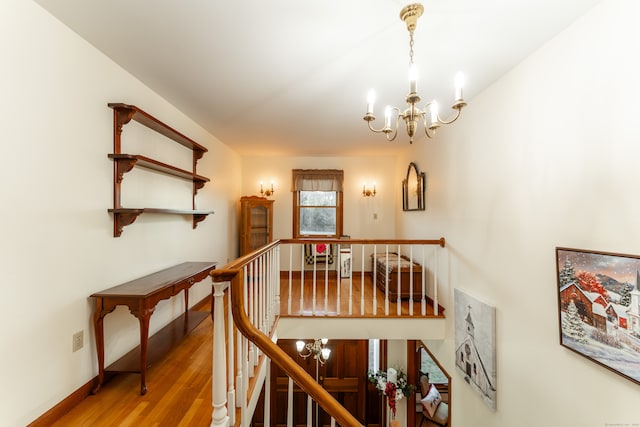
(413, 189)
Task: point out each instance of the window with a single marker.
(317, 202)
(432, 367)
(374, 355)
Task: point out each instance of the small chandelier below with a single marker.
(412, 115)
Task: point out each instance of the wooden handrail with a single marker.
(441, 241)
(275, 353)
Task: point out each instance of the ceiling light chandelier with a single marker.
(413, 114)
(317, 349)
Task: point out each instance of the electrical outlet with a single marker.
(78, 340)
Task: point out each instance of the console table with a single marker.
(141, 296)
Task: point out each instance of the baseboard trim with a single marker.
(68, 403)
(55, 413)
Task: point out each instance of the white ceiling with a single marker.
(290, 77)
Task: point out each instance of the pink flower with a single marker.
(320, 248)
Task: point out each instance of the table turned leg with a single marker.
(144, 318)
(98, 326)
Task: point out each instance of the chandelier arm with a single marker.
(423, 118)
(395, 132)
(455, 117)
(394, 135)
(427, 129)
(375, 130)
(308, 350)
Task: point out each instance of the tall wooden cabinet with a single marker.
(256, 223)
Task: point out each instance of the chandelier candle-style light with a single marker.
(412, 115)
(318, 349)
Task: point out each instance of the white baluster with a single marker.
(290, 297)
(386, 282)
(267, 394)
(411, 281)
(361, 279)
(338, 302)
(313, 281)
(240, 353)
(398, 300)
(290, 403)
(326, 284)
(350, 290)
(424, 283)
(231, 392)
(249, 303)
(435, 280)
(302, 280)
(374, 283)
(276, 273)
(219, 416)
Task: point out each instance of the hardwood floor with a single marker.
(179, 386)
(326, 298)
(179, 391)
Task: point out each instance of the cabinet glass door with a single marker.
(259, 227)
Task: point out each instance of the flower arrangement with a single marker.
(394, 384)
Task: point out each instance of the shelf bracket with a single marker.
(197, 154)
(198, 218)
(122, 116)
(197, 185)
(124, 166)
(121, 220)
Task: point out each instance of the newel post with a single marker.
(219, 416)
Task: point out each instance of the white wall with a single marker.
(57, 246)
(545, 157)
(359, 211)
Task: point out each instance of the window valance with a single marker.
(317, 180)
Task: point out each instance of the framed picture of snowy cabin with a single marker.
(599, 308)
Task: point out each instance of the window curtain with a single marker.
(317, 180)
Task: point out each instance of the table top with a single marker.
(147, 285)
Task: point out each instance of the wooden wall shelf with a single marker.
(124, 113)
(123, 163)
(126, 162)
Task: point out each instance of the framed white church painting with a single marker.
(475, 345)
(599, 308)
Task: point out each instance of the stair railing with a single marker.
(252, 285)
(236, 274)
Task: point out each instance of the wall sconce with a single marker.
(368, 192)
(268, 192)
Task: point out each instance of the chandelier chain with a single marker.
(411, 47)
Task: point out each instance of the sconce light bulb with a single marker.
(326, 352)
(299, 345)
